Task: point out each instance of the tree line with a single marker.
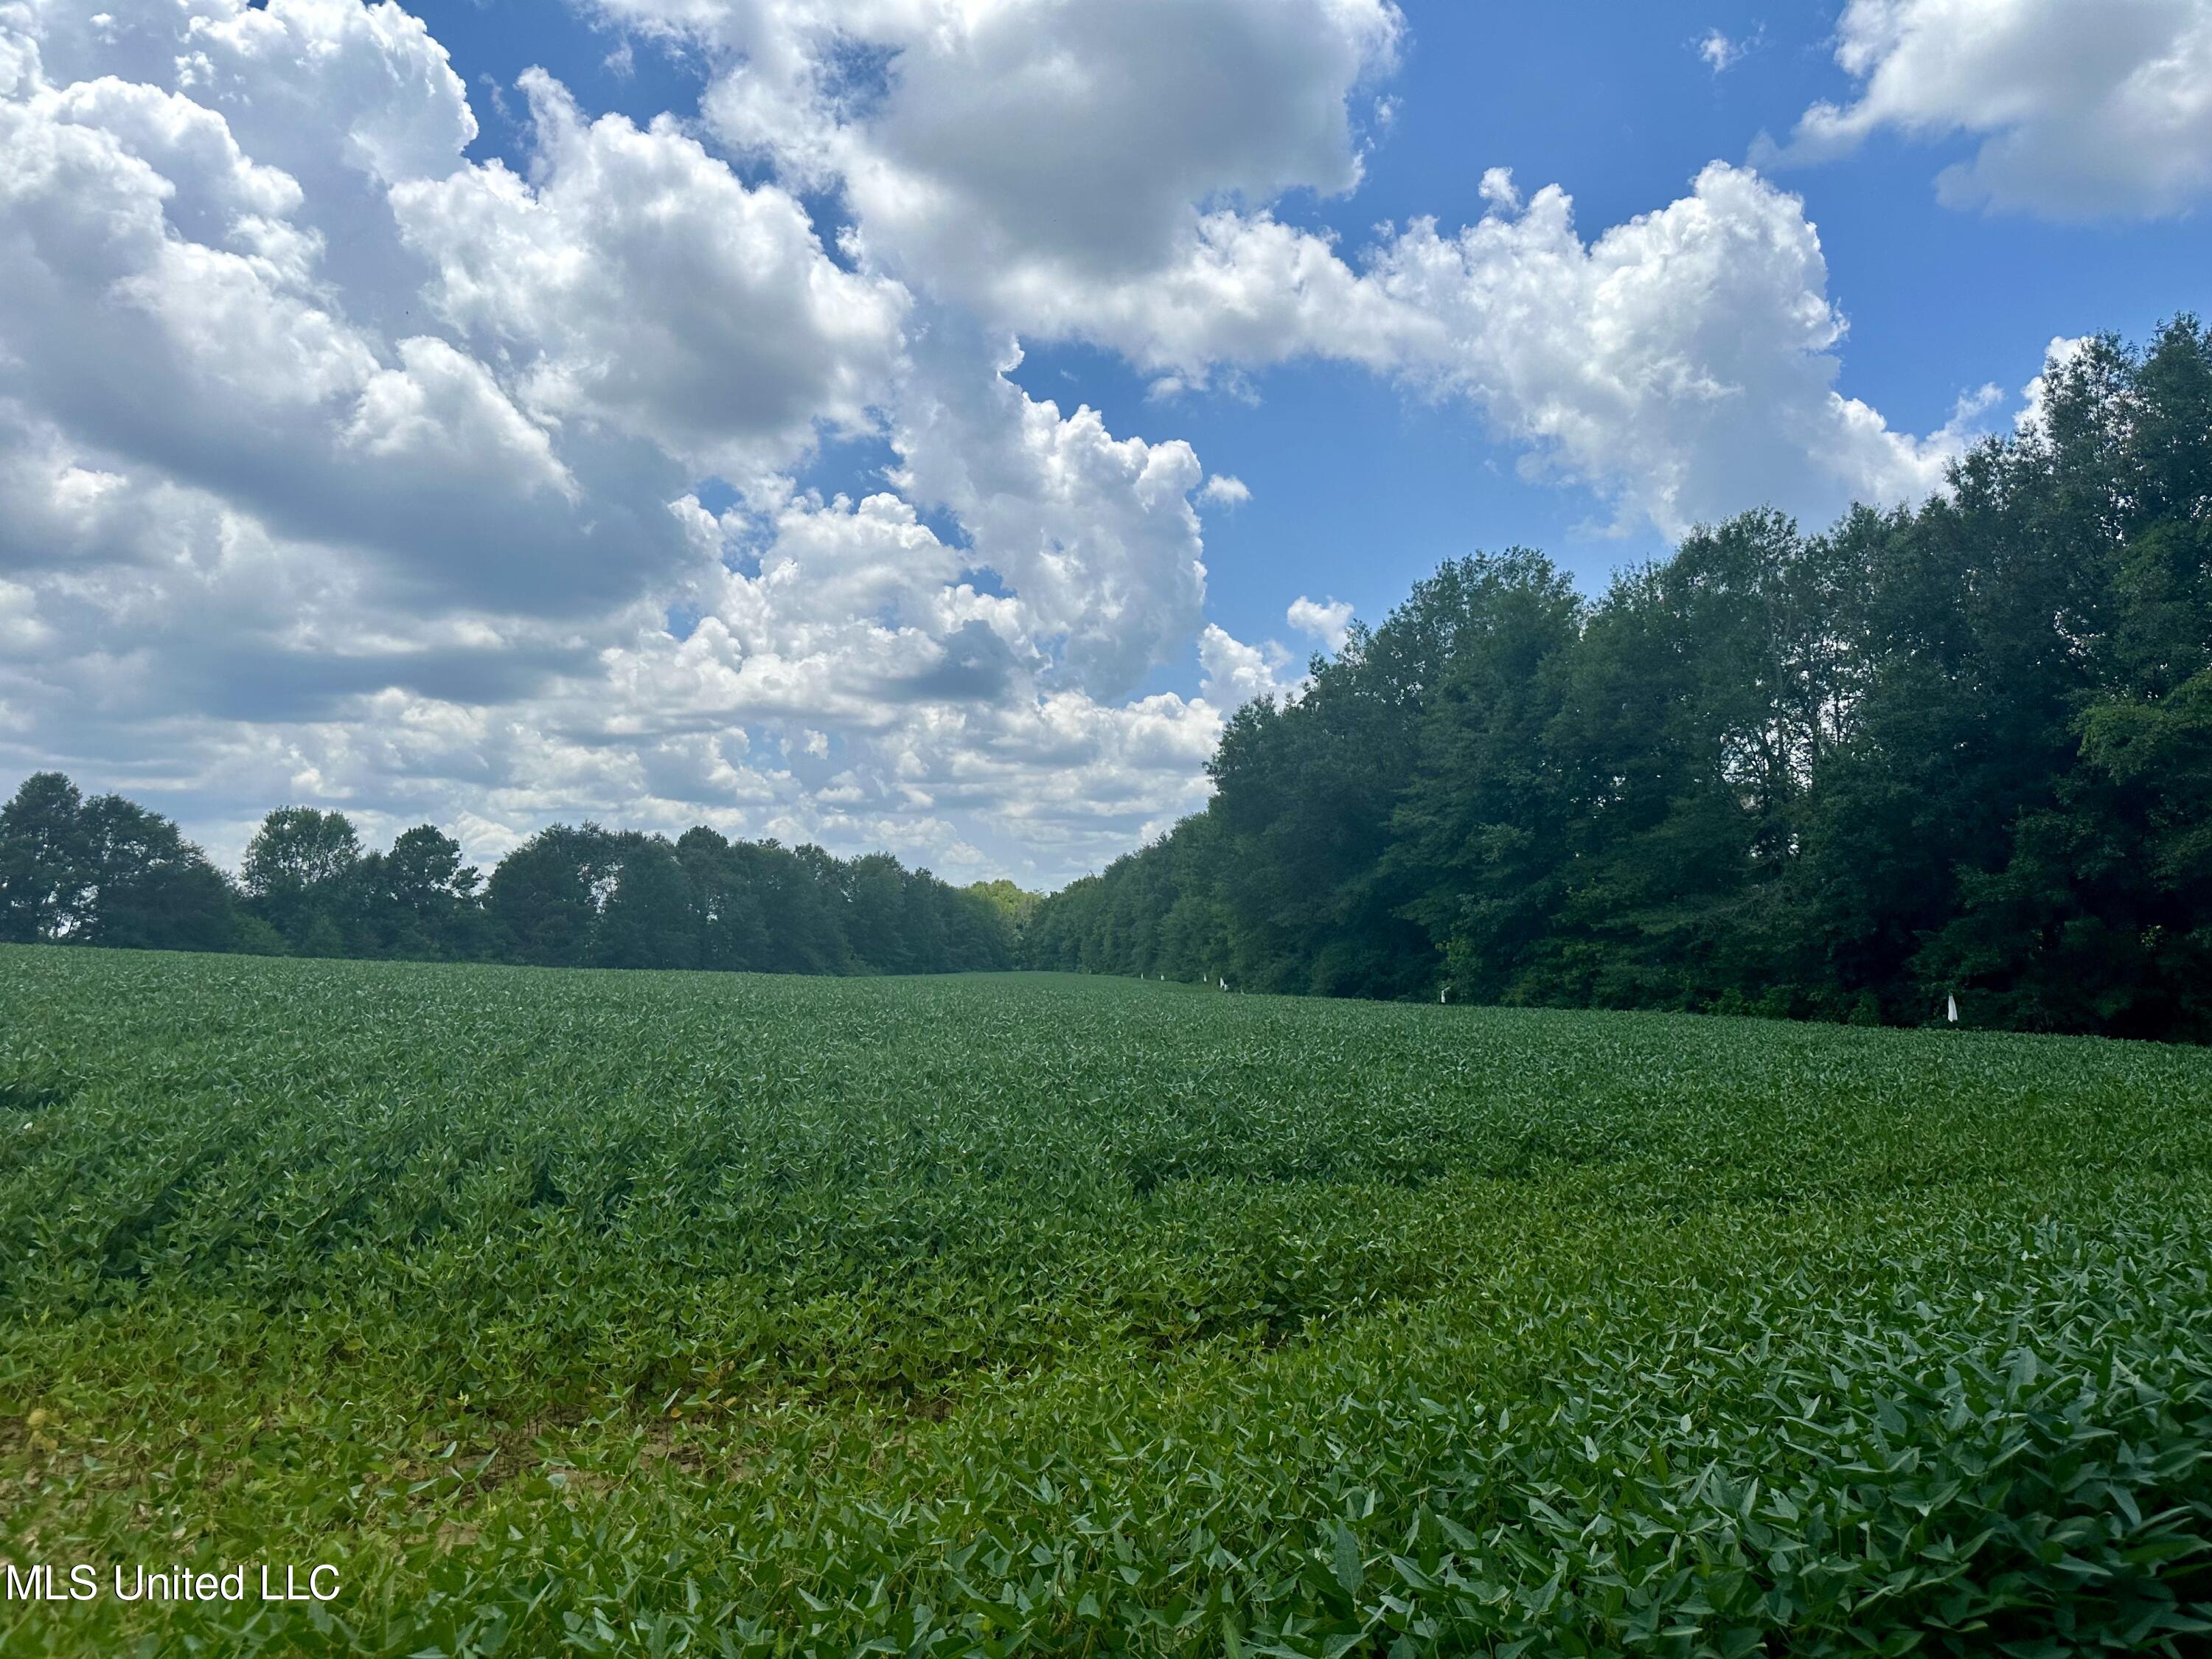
(107, 871)
(1960, 749)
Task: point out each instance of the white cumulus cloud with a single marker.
(2081, 110)
(639, 283)
(1328, 621)
(1236, 673)
(1682, 364)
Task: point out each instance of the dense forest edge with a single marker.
(1961, 750)
(107, 871)
(1958, 751)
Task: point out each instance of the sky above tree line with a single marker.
(917, 425)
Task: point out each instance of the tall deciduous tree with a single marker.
(299, 871)
(42, 858)
(107, 872)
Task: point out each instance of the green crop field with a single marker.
(668, 1314)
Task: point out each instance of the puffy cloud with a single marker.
(170, 313)
(1244, 289)
(1222, 490)
(1097, 534)
(442, 409)
(1328, 621)
(342, 97)
(2083, 111)
(1682, 364)
(286, 76)
(1020, 149)
(639, 283)
(974, 137)
(1236, 673)
(1060, 167)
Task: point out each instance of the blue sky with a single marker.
(670, 410)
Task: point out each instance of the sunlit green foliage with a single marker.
(659, 1314)
(1961, 749)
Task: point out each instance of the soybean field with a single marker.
(662, 1314)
